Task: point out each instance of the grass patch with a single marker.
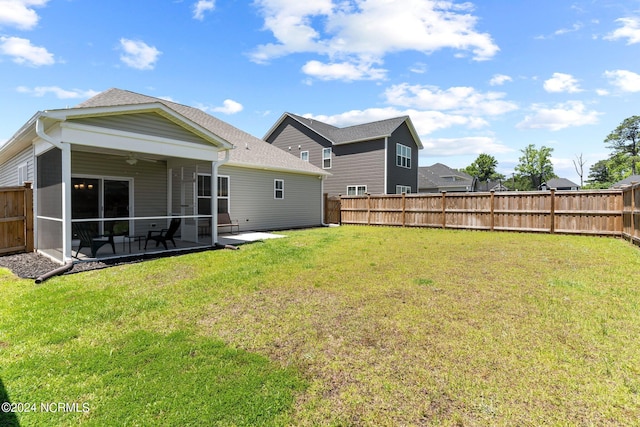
(339, 326)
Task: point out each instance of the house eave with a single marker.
(154, 107)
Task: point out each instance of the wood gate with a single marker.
(332, 211)
(16, 219)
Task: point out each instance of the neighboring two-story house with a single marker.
(377, 158)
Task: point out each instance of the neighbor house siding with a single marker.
(253, 205)
(143, 123)
(9, 169)
(292, 133)
(357, 164)
(397, 175)
(351, 164)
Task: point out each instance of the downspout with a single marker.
(66, 185)
(214, 200)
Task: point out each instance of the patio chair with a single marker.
(164, 235)
(88, 239)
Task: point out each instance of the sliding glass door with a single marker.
(102, 198)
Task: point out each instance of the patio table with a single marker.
(134, 238)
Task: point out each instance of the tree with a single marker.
(535, 166)
(579, 167)
(604, 173)
(484, 168)
(625, 140)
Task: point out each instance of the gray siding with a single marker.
(397, 175)
(143, 123)
(351, 164)
(253, 205)
(357, 164)
(9, 169)
(292, 134)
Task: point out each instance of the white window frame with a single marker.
(403, 189)
(278, 190)
(403, 156)
(326, 158)
(356, 190)
(23, 173)
(304, 156)
(228, 196)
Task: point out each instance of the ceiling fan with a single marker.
(132, 159)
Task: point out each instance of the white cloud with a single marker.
(561, 116)
(575, 27)
(229, 106)
(561, 82)
(23, 52)
(630, 30)
(20, 13)
(463, 146)
(201, 7)
(462, 99)
(625, 80)
(363, 32)
(425, 122)
(57, 91)
(343, 71)
(499, 79)
(139, 55)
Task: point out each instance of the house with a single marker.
(627, 181)
(559, 184)
(128, 163)
(438, 177)
(378, 158)
(484, 186)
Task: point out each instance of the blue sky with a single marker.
(488, 76)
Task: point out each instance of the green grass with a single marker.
(339, 326)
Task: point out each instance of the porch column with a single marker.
(66, 202)
(214, 203)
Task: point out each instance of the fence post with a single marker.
(492, 220)
(444, 210)
(28, 216)
(404, 208)
(368, 208)
(553, 210)
(634, 187)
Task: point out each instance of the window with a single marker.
(204, 194)
(403, 156)
(223, 194)
(22, 174)
(304, 155)
(278, 188)
(403, 189)
(356, 190)
(326, 158)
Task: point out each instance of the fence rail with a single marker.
(16, 219)
(598, 212)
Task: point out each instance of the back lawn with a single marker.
(334, 326)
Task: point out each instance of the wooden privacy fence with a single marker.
(598, 212)
(16, 219)
(631, 213)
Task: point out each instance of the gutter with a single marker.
(40, 131)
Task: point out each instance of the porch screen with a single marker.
(49, 203)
